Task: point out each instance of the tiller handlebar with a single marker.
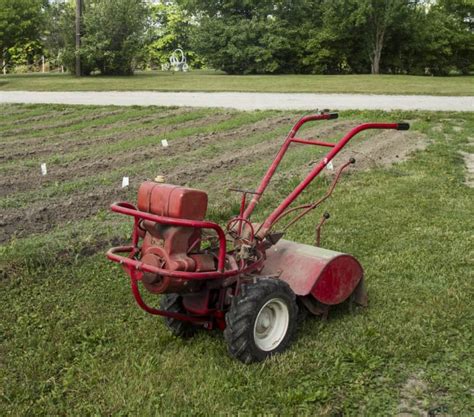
(336, 148)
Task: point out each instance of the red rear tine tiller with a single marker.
(244, 278)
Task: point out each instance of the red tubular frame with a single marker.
(130, 210)
(142, 267)
(155, 311)
(136, 268)
(315, 171)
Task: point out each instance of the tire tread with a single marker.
(173, 303)
(242, 314)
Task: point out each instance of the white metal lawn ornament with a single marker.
(178, 61)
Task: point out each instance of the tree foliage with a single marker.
(246, 36)
(170, 29)
(20, 29)
(59, 33)
(112, 38)
(334, 36)
(113, 35)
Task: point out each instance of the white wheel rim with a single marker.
(271, 324)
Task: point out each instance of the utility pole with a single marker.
(78, 36)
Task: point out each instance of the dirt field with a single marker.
(84, 171)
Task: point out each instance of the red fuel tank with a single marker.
(172, 201)
(167, 247)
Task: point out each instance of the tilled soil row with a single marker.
(51, 115)
(58, 125)
(8, 110)
(28, 178)
(383, 148)
(91, 136)
(144, 116)
(40, 217)
(68, 141)
(21, 113)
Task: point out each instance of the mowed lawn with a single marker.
(73, 342)
(216, 81)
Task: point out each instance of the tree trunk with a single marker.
(377, 50)
(4, 63)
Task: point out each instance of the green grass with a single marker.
(215, 81)
(72, 341)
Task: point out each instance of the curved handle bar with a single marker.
(318, 168)
(271, 170)
(310, 118)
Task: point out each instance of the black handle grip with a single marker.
(403, 126)
(333, 115)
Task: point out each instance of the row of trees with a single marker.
(335, 36)
(245, 36)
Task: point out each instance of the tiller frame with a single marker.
(246, 261)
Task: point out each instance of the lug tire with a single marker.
(261, 321)
(174, 303)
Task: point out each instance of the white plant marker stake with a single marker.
(44, 170)
(125, 182)
(164, 143)
(330, 166)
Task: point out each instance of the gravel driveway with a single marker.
(245, 101)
